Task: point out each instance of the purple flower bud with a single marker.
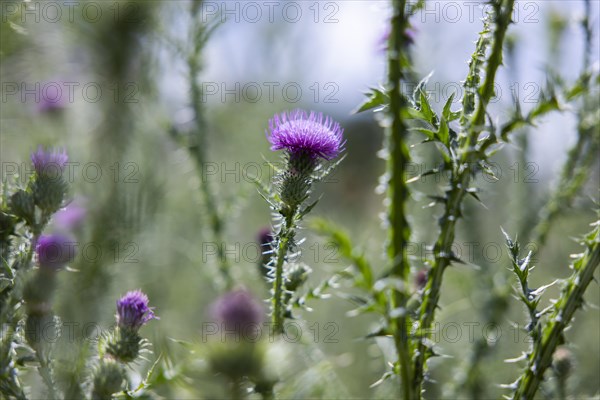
(71, 217)
(302, 133)
(410, 35)
(51, 98)
(49, 162)
(265, 237)
(54, 251)
(421, 279)
(238, 310)
(133, 310)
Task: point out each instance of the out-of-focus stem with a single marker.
(198, 146)
(580, 157)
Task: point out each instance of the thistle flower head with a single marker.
(311, 134)
(133, 310)
(46, 161)
(54, 251)
(238, 310)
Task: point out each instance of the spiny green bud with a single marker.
(236, 360)
(23, 206)
(109, 378)
(39, 289)
(296, 276)
(49, 192)
(124, 344)
(7, 225)
(41, 328)
(294, 189)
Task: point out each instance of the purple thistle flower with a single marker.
(238, 310)
(133, 310)
(49, 161)
(302, 133)
(54, 251)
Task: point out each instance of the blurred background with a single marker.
(110, 82)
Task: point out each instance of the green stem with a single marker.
(399, 195)
(570, 300)
(561, 388)
(459, 183)
(46, 373)
(502, 19)
(278, 315)
(198, 146)
(579, 158)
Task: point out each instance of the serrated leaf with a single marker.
(377, 99)
(443, 133)
(427, 132)
(426, 109)
(308, 208)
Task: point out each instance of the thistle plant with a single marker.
(309, 140)
(548, 336)
(395, 295)
(32, 206)
(121, 346)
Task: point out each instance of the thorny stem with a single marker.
(198, 148)
(561, 388)
(460, 180)
(398, 194)
(284, 237)
(46, 373)
(571, 298)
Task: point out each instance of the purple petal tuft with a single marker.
(310, 133)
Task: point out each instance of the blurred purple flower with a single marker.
(51, 98)
(133, 310)
(238, 310)
(71, 217)
(302, 133)
(421, 279)
(54, 251)
(410, 35)
(265, 237)
(46, 161)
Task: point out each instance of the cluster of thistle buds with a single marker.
(44, 195)
(123, 345)
(310, 141)
(46, 191)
